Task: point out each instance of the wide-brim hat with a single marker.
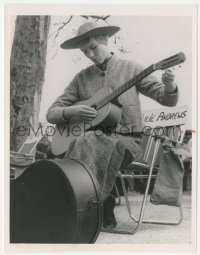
(87, 30)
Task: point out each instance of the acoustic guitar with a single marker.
(108, 108)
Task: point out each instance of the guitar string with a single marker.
(136, 79)
(124, 87)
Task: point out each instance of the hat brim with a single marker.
(74, 42)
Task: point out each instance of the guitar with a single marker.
(108, 108)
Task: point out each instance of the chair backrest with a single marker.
(149, 141)
(29, 145)
(28, 148)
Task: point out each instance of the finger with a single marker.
(88, 117)
(168, 79)
(169, 73)
(164, 76)
(89, 112)
(88, 109)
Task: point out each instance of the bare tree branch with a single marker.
(61, 27)
(100, 17)
(85, 16)
(56, 51)
(97, 17)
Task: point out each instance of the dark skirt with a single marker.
(105, 154)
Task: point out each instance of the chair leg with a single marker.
(140, 219)
(118, 196)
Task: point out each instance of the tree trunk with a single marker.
(27, 67)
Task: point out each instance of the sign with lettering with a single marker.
(168, 116)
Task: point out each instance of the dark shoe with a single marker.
(110, 223)
(109, 220)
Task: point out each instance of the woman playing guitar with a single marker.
(99, 116)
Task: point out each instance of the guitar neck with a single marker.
(114, 94)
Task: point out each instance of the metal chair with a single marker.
(20, 160)
(154, 142)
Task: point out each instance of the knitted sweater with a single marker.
(87, 82)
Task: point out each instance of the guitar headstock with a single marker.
(170, 62)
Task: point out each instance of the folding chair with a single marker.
(29, 145)
(153, 143)
(24, 157)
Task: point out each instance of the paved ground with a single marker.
(151, 233)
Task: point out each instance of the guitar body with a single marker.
(106, 120)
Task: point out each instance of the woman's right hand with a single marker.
(80, 111)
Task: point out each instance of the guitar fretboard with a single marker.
(114, 94)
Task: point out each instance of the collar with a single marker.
(103, 65)
(109, 63)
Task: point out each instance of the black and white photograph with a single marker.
(101, 117)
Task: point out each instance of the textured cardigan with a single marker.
(87, 82)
